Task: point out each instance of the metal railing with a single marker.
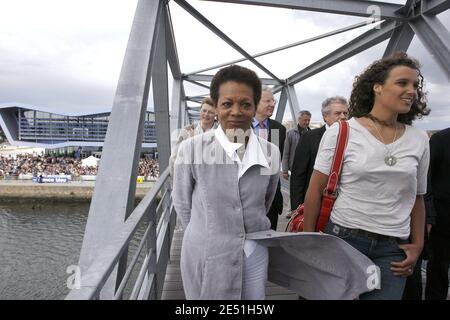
(156, 240)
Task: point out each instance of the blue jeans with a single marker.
(382, 250)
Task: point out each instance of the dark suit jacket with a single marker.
(303, 166)
(277, 135)
(438, 193)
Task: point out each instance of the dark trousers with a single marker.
(276, 208)
(438, 266)
(413, 288)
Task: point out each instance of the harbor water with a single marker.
(38, 242)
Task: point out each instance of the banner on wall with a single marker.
(50, 179)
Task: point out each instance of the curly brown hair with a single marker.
(362, 96)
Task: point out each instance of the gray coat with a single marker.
(317, 266)
(185, 133)
(290, 144)
(217, 210)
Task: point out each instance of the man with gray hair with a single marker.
(333, 109)
(291, 142)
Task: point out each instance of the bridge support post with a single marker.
(114, 194)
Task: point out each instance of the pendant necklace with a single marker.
(389, 159)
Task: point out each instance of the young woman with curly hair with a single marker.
(380, 202)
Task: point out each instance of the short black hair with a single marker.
(237, 74)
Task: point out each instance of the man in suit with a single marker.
(292, 138)
(439, 192)
(333, 109)
(274, 132)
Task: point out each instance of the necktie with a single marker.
(262, 130)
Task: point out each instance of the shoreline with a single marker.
(14, 190)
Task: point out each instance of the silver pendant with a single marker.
(390, 160)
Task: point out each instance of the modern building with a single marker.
(33, 126)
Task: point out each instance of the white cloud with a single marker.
(53, 50)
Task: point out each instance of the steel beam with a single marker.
(434, 7)
(197, 99)
(176, 111)
(197, 15)
(288, 94)
(115, 188)
(359, 8)
(208, 78)
(198, 84)
(161, 98)
(182, 106)
(400, 39)
(281, 105)
(277, 88)
(436, 38)
(288, 46)
(357, 45)
(185, 119)
(407, 8)
(172, 54)
(293, 102)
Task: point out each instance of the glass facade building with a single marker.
(25, 125)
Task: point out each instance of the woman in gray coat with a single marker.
(224, 183)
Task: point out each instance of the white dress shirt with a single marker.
(253, 156)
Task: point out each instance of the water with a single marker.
(37, 244)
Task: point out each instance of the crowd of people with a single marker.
(37, 165)
(148, 168)
(226, 201)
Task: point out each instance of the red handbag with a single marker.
(296, 222)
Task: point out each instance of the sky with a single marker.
(66, 55)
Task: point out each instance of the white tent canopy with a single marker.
(90, 161)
